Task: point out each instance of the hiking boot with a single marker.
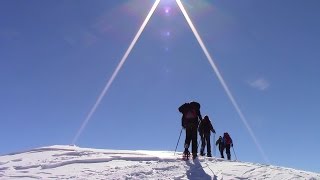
(186, 152)
(202, 153)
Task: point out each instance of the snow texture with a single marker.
(71, 162)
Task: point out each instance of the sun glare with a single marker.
(167, 11)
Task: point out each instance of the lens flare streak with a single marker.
(124, 58)
(202, 45)
(223, 83)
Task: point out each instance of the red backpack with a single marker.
(191, 114)
(227, 138)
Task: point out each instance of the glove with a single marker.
(232, 145)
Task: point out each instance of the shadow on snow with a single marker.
(196, 171)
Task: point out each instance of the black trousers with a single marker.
(221, 149)
(228, 151)
(205, 140)
(191, 136)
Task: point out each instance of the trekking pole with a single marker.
(234, 153)
(177, 142)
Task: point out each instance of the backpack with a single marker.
(191, 114)
(227, 138)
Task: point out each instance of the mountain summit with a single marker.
(71, 162)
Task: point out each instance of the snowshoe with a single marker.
(186, 155)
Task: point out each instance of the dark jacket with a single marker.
(220, 143)
(205, 127)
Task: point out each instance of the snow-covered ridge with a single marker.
(63, 162)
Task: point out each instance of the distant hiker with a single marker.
(221, 146)
(205, 129)
(190, 121)
(228, 143)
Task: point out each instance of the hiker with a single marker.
(221, 146)
(205, 129)
(228, 143)
(190, 121)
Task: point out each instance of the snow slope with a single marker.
(70, 162)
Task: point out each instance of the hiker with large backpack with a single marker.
(220, 142)
(228, 143)
(190, 121)
(205, 129)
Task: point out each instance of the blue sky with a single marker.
(56, 57)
